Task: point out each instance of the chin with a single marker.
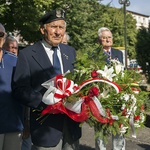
(56, 42)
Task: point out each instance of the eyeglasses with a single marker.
(2, 34)
(12, 47)
(106, 37)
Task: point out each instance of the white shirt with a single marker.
(108, 52)
(49, 51)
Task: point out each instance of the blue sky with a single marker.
(139, 6)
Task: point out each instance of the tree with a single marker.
(23, 16)
(84, 18)
(3, 8)
(143, 50)
(131, 31)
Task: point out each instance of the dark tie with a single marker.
(109, 55)
(56, 62)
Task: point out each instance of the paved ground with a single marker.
(142, 142)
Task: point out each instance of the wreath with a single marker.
(106, 96)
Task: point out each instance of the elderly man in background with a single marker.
(105, 38)
(11, 45)
(66, 38)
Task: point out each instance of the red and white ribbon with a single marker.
(60, 88)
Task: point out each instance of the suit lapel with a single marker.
(43, 61)
(65, 57)
(112, 53)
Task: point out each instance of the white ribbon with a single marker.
(75, 106)
(49, 98)
(99, 106)
(131, 122)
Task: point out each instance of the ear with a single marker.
(99, 41)
(42, 29)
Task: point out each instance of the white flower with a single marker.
(126, 97)
(105, 93)
(118, 68)
(136, 125)
(107, 73)
(134, 109)
(123, 106)
(142, 118)
(115, 61)
(123, 129)
(122, 75)
(133, 97)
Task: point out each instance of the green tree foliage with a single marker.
(23, 16)
(131, 35)
(118, 28)
(143, 50)
(3, 8)
(84, 18)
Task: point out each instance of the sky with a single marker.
(138, 6)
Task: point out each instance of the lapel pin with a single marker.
(65, 56)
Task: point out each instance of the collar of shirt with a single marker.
(45, 44)
(106, 51)
(49, 51)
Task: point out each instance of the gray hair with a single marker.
(67, 36)
(9, 39)
(100, 30)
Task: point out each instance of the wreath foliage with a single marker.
(106, 96)
(118, 104)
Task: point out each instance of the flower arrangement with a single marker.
(107, 97)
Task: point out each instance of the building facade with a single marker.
(141, 20)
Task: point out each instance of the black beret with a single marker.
(53, 16)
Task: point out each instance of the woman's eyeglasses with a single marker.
(2, 34)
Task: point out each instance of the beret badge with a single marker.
(53, 16)
(59, 14)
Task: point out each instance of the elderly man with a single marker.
(11, 45)
(66, 38)
(36, 64)
(105, 38)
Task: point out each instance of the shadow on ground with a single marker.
(144, 146)
(85, 147)
(147, 122)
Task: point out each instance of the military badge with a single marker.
(58, 14)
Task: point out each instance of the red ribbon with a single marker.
(59, 108)
(95, 111)
(86, 106)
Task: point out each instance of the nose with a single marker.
(58, 30)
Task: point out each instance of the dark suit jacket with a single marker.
(116, 54)
(33, 68)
